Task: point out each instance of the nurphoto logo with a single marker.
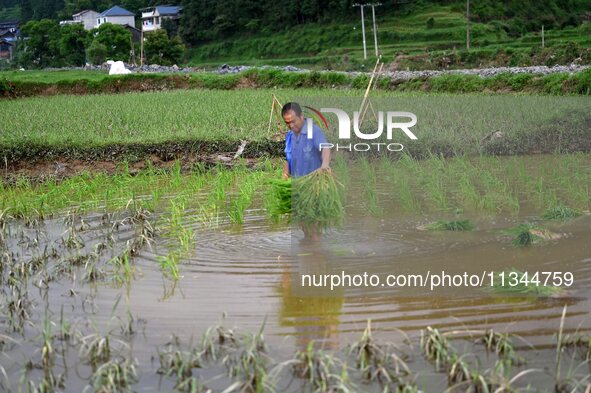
(393, 122)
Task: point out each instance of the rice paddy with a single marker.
(114, 282)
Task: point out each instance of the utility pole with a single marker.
(468, 24)
(375, 30)
(542, 36)
(362, 28)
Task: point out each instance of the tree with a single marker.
(39, 44)
(116, 39)
(72, 44)
(160, 49)
(97, 53)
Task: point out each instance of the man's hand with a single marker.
(285, 176)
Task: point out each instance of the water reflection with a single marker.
(313, 312)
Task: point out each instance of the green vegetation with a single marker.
(316, 200)
(126, 127)
(456, 225)
(560, 212)
(525, 234)
(278, 200)
(17, 84)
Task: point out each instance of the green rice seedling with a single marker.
(316, 200)
(216, 341)
(320, 371)
(340, 168)
(249, 365)
(580, 343)
(377, 362)
(92, 271)
(502, 345)
(49, 384)
(431, 178)
(244, 198)
(458, 371)
(278, 198)
(436, 347)
(47, 351)
(369, 188)
(560, 212)
(115, 376)
(180, 363)
(525, 235)
(169, 265)
(95, 349)
(123, 270)
(455, 225)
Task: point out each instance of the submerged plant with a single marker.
(320, 370)
(436, 346)
(115, 376)
(502, 345)
(169, 265)
(525, 235)
(560, 212)
(457, 225)
(379, 362)
(180, 363)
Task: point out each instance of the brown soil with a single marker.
(63, 167)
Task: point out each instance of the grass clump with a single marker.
(457, 225)
(560, 212)
(316, 200)
(525, 234)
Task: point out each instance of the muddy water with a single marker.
(242, 276)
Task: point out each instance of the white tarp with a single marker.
(117, 68)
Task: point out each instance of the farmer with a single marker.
(303, 152)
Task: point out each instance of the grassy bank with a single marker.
(26, 84)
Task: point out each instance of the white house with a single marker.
(87, 18)
(117, 16)
(152, 17)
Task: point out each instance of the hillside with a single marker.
(419, 34)
(429, 37)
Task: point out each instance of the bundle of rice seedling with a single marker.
(459, 225)
(279, 198)
(316, 200)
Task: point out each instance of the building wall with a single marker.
(117, 20)
(89, 20)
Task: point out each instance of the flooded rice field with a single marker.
(193, 299)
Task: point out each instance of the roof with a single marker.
(168, 9)
(4, 32)
(84, 12)
(116, 11)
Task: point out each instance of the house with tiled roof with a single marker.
(116, 15)
(152, 17)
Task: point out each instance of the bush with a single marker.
(97, 52)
